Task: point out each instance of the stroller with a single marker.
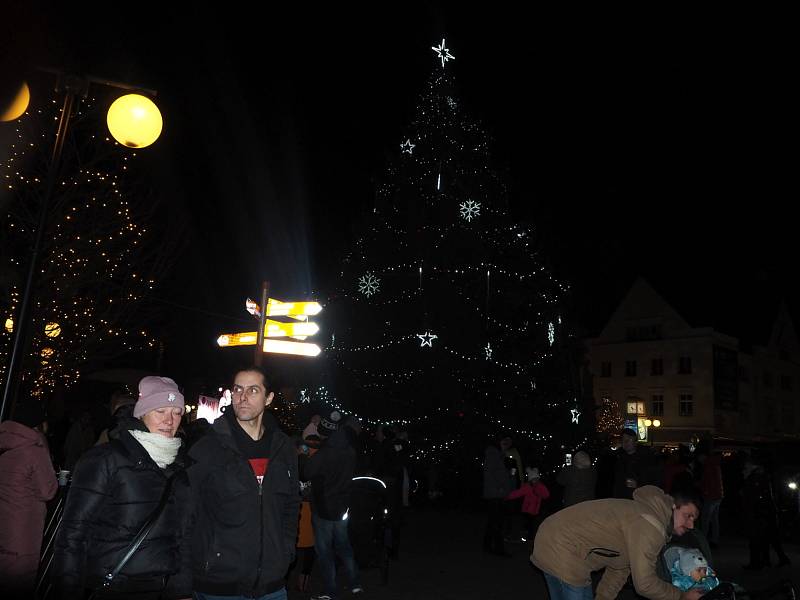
(367, 524)
(726, 590)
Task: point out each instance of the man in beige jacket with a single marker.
(623, 536)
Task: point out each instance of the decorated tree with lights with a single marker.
(447, 318)
(99, 260)
(609, 417)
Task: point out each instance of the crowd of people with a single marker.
(161, 508)
(630, 515)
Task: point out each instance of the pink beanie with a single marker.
(157, 392)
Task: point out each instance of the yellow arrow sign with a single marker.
(273, 329)
(296, 348)
(276, 308)
(274, 346)
(237, 339)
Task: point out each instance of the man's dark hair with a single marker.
(260, 371)
(630, 432)
(687, 496)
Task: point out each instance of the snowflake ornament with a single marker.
(443, 53)
(470, 210)
(407, 147)
(369, 284)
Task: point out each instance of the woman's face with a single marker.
(163, 420)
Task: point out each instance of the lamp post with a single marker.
(651, 423)
(123, 130)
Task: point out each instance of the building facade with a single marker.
(694, 381)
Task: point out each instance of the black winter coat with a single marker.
(245, 536)
(115, 488)
(331, 471)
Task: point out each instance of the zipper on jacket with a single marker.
(260, 536)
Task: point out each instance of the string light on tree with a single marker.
(52, 330)
(483, 282)
(470, 210)
(369, 284)
(94, 256)
(551, 333)
(426, 339)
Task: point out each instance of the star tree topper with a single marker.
(575, 415)
(407, 147)
(426, 339)
(443, 53)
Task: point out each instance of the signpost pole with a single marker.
(262, 323)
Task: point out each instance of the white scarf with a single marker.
(162, 450)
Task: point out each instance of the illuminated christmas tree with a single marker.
(447, 318)
(609, 418)
(98, 261)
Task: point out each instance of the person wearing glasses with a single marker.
(247, 498)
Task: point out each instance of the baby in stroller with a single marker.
(688, 568)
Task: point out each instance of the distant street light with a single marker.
(127, 116)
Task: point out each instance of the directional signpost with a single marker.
(298, 329)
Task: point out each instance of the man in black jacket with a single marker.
(247, 497)
(331, 471)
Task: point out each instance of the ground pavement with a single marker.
(441, 559)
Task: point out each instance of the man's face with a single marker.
(628, 444)
(683, 518)
(249, 395)
(505, 444)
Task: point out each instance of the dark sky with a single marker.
(659, 145)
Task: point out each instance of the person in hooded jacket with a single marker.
(247, 490)
(27, 482)
(623, 536)
(579, 479)
(115, 489)
(330, 472)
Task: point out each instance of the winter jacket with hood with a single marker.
(245, 534)
(579, 484)
(331, 471)
(115, 488)
(27, 482)
(623, 536)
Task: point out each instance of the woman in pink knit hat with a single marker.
(116, 488)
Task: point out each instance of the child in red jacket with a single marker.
(532, 492)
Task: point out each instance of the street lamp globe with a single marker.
(14, 110)
(134, 121)
(656, 423)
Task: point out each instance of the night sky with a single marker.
(654, 145)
